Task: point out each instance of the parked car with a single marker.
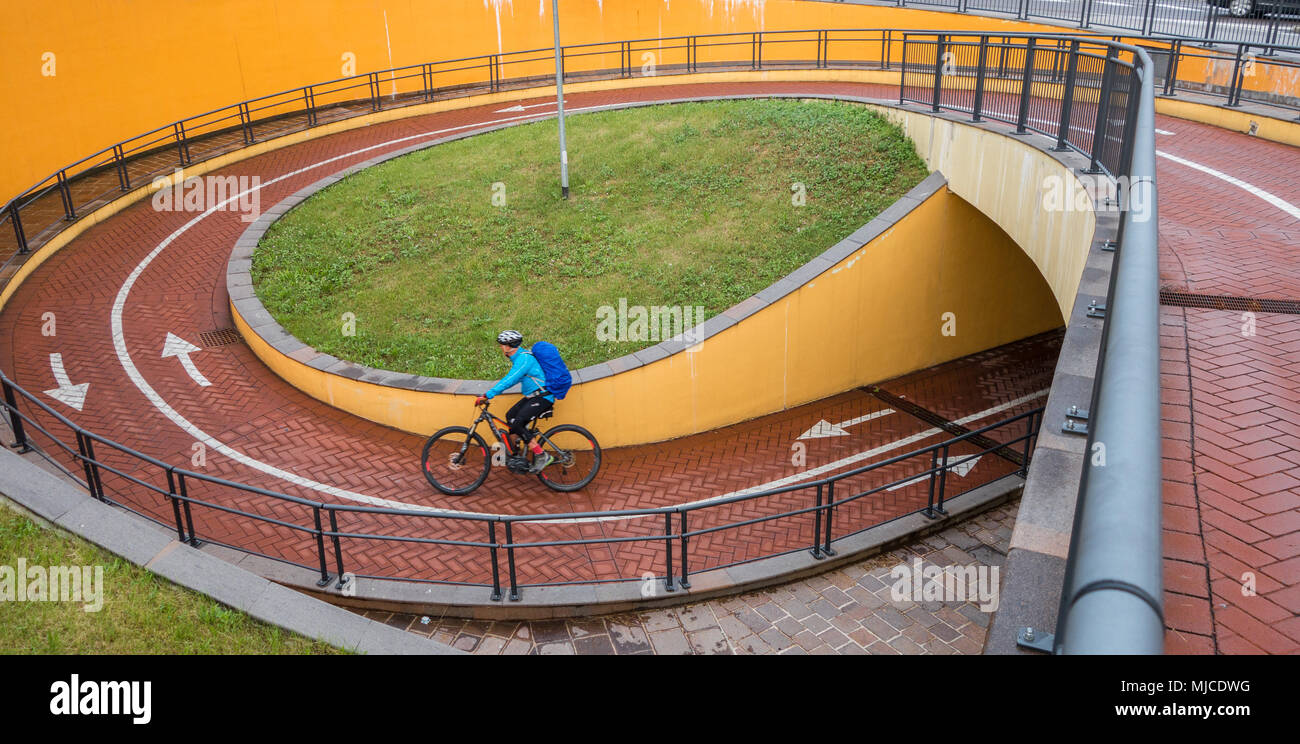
(1243, 8)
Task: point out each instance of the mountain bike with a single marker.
(456, 460)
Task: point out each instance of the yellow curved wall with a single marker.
(124, 67)
(877, 314)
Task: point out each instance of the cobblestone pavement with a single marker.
(846, 611)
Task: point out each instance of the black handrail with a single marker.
(181, 502)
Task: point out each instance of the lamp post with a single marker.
(559, 101)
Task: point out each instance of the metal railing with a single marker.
(1096, 98)
(303, 528)
(38, 214)
(1187, 19)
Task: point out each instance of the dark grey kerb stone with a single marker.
(253, 313)
(652, 354)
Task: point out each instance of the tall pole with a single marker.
(559, 101)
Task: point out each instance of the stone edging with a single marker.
(245, 302)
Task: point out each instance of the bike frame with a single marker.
(502, 433)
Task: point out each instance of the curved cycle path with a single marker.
(172, 268)
(1232, 448)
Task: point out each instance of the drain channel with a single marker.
(1229, 302)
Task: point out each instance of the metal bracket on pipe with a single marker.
(1072, 426)
(1027, 638)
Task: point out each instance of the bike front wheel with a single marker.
(577, 457)
(455, 461)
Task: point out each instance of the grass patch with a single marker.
(675, 205)
(141, 613)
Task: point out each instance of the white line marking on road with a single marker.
(175, 346)
(1276, 201)
(962, 467)
(73, 396)
(1165, 132)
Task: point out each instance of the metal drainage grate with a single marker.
(1227, 302)
(219, 337)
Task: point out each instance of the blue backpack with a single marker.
(558, 379)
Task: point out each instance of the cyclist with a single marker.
(524, 371)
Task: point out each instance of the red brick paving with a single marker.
(1231, 399)
(250, 410)
(1231, 441)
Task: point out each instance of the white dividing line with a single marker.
(1164, 132)
(1276, 201)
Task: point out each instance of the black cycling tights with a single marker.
(521, 413)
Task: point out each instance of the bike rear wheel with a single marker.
(455, 461)
(577, 457)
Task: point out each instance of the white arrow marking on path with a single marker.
(179, 347)
(517, 107)
(825, 428)
(66, 393)
(962, 468)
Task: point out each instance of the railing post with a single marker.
(372, 83)
(510, 559)
(85, 463)
(817, 526)
(496, 565)
(938, 71)
(309, 104)
(1171, 72)
(193, 539)
(886, 49)
(686, 573)
(1026, 87)
(246, 123)
(943, 482)
(96, 483)
(338, 549)
(830, 515)
(1234, 88)
(176, 504)
(902, 76)
(928, 511)
(19, 235)
(426, 76)
(1067, 99)
(1103, 100)
(182, 143)
(978, 106)
(1085, 18)
(320, 548)
(119, 160)
(1148, 15)
(1023, 13)
(1130, 123)
(65, 194)
(668, 552)
(1030, 431)
(15, 421)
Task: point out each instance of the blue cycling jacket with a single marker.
(525, 371)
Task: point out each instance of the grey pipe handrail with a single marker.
(1112, 599)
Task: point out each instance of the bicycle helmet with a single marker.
(510, 338)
